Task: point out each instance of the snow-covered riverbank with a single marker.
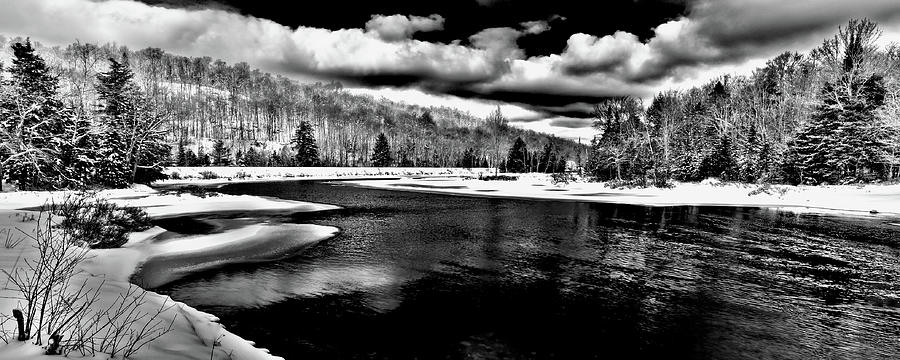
(194, 332)
(216, 176)
(844, 199)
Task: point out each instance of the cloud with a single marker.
(401, 27)
(572, 123)
(489, 65)
(535, 27)
(718, 32)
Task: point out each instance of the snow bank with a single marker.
(194, 332)
(192, 175)
(844, 199)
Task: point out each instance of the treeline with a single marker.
(828, 117)
(48, 144)
(209, 106)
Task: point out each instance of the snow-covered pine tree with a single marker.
(221, 154)
(41, 138)
(305, 144)
(516, 158)
(381, 156)
(134, 145)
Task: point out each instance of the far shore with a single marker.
(855, 200)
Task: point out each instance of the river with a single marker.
(426, 276)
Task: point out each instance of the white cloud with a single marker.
(535, 27)
(401, 27)
(714, 37)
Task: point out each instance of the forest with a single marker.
(213, 113)
(102, 115)
(831, 116)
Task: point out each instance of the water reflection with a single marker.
(430, 276)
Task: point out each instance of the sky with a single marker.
(544, 62)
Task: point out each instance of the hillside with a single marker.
(204, 100)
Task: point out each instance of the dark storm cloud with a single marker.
(572, 123)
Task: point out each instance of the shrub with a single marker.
(175, 176)
(97, 223)
(193, 190)
(206, 175)
(562, 178)
(498, 178)
(242, 175)
(69, 315)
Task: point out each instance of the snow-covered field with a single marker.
(194, 332)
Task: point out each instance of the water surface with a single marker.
(427, 276)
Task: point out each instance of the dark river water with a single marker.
(424, 276)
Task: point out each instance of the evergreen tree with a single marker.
(516, 159)
(202, 157)
(254, 157)
(720, 163)
(469, 160)
(181, 156)
(834, 146)
(221, 154)
(44, 145)
(190, 159)
(135, 140)
(381, 156)
(305, 145)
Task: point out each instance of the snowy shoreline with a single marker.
(847, 200)
(194, 332)
(868, 200)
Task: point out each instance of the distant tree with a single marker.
(202, 157)
(221, 154)
(381, 156)
(517, 157)
(254, 157)
(305, 144)
(181, 155)
(469, 160)
(497, 127)
(426, 119)
(835, 145)
(615, 150)
(720, 163)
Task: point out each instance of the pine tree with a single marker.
(834, 146)
(381, 156)
(44, 144)
(469, 160)
(720, 163)
(305, 144)
(202, 157)
(181, 155)
(254, 157)
(221, 154)
(516, 159)
(135, 140)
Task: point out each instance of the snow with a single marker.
(191, 175)
(868, 200)
(194, 332)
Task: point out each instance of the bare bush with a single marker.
(10, 241)
(97, 223)
(42, 281)
(58, 305)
